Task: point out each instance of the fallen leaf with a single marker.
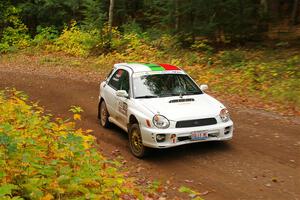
(77, 117)
(204, 193)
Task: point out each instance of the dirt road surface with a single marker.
(261, 162)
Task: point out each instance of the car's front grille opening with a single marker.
(181, 100)
(196, 122)
(227, 130)
(184, 138)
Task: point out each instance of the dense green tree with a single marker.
(50, 12)
(94, 13)
(218, 20)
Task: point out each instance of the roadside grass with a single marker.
(43, 157)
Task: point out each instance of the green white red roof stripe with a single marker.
(158, 67)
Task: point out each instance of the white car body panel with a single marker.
(203, 106)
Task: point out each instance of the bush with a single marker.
(15, 35)
(42, 158)
(76, 41)
(202, 45)
(232, 58)
(45, 36)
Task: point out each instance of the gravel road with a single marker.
(261, 162)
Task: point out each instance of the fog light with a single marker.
(160, 137)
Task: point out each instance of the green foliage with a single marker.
(45, 36)
(202, 45)
(94, 15)
(14, 35)
(261, 76)
(76, 109)
(47, 13)
(76, 41)
(46, 158)
(192, 193)
(233, 58)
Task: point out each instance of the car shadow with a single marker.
(195, 149)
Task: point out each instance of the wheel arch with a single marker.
(132, 120)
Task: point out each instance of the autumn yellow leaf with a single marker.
(89, 131)
(77, 117)
(47, 197)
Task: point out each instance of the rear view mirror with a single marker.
(203, 87)
(121, 93)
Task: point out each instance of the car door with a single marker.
(122, 102)
(110, 92)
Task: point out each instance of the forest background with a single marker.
(244, 47)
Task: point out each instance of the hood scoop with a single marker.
(181, 100)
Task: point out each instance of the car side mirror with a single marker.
(203, 87)
(122, 93)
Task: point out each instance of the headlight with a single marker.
(224, 115)
(160, 121)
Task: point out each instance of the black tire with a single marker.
(135, 142)
(103, 115)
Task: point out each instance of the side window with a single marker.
(114, 82)
(120, 80)
(109, 74)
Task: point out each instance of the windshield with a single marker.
(163, 85)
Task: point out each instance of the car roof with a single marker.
(146, 67)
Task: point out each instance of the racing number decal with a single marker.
(123, 107)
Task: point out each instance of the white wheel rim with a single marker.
(103, 114)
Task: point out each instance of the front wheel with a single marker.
(135, 141)
(103, 115)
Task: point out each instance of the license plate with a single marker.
(199, 135)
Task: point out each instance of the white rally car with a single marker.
(160, 106)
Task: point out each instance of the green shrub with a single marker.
(76, 41)
(46, 158)
(15, 35)
(233, 58)
(45, 36)
(202, 45)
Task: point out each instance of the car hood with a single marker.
(187, 107)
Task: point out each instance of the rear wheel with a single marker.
(103, 115)
(136, 142)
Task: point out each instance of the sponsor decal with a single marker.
(119, 74)
(123, 107)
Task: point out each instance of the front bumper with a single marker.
(217, 132)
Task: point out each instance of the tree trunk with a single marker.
(264, 5)
(295, 12)
(110, 19)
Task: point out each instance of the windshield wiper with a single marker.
(146, 96)
(191, 93)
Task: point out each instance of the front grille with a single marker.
(196, 122)
(182, 138)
